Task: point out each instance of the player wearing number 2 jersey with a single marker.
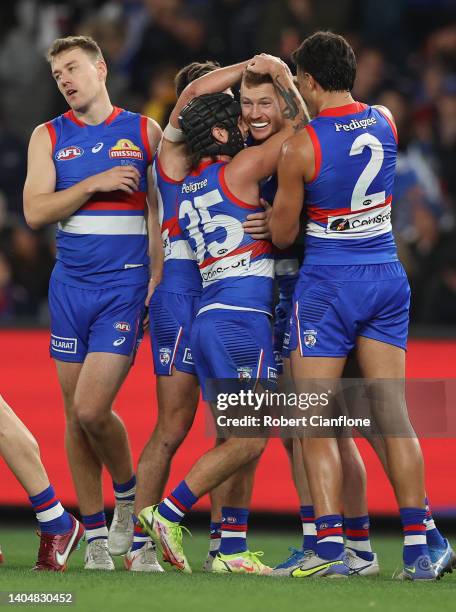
(352, 289)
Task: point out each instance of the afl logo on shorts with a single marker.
(125, 149)
(68, 153)
(122, 326)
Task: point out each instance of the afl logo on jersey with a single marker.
(125, 149)
(69, 153)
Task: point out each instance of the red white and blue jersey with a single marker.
(348, 200)
(180, 269)
(105, 241)
(237, 271)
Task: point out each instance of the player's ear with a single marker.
(220, 134)
(102, 69)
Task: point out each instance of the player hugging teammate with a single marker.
(210, 312)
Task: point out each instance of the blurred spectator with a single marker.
(283, 25)
(31, 261)
(173, 32)
(162, 96)
(440, 303)
(13, 165)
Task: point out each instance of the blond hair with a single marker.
(86, 43)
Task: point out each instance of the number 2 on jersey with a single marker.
(359, 199)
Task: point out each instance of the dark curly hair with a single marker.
(329, 58)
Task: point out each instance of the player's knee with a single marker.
(91, 421)
(255, 447)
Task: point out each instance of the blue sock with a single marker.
(178, 503)
(95, 526)
(433, 536)
(357, 536)
(414, 533)
(309, 530)
(234, 530)
(139, 537)
(214, 542)
(330, 536)
(51, 515)
(125, 491)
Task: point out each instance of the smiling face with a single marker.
(80, 77)
(261, 110)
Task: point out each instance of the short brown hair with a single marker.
(86, 43)
(254, 79)
(191, 72)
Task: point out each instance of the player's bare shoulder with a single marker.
(297, 154)
(154, 133)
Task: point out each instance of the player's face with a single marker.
(261, 110)
(79, 77)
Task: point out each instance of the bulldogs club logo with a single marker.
(68, 153)
(340, 225)
(310, 338)
(125, 149)
(165, 355)
(122, 326)
(244, 373)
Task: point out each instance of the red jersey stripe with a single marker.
(317, 151)
(260, 247)
(228, 193)
(145, 138)
(116, 200)
(321, 214)
(346, 109)
(52, 134)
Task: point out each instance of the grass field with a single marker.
(130, 592)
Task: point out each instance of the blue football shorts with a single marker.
(171, 317)
(333, 305)
(234, 345)
(88, 321)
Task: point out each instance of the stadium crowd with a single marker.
(406, 60)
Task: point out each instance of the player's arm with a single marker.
(43, 205)
(173, 149)
(295, 166)
(212, 82)
(155, 238)
(154, 134)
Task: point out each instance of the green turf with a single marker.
(130, 592)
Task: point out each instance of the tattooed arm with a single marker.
(294, 110)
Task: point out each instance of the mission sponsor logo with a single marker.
(69, 153)
(125, 149)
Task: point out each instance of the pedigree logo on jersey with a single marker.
(125, 149)
(69, 153)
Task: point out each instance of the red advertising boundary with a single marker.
(29, 384)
